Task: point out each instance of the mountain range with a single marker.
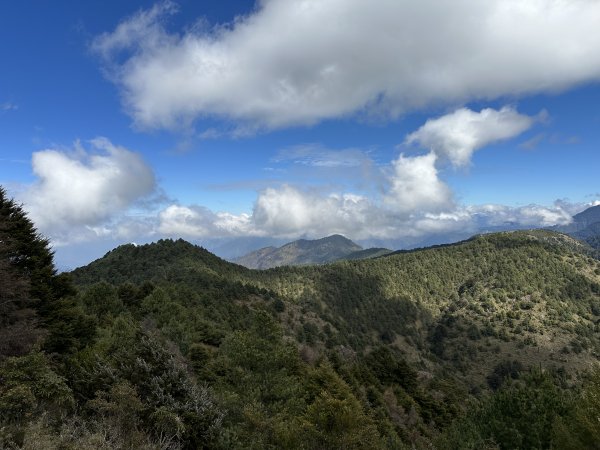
(514, 292)
(488, 343)
(585, 227)
(412, 336)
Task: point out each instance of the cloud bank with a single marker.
(415, 203)
(86, 194)
(99, 193)
(290, 212)
(297, 62)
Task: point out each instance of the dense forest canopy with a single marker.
(489, 343)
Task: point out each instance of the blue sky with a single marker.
(392, 122)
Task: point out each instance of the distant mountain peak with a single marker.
(588, 216)
(301, 252)
(335, 238)
(155, 260)
(585, 226)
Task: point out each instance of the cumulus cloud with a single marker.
(289, 212)
(200, 222)
(293, 62)
(415, 186)
(415, 202)
(457, 135)
(285, 212)
(524, 216)
(85, 188)
(573, 208)
(186, 221)
(89, 194)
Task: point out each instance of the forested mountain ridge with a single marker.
(448, 321)
(526, 295)
(160, 260)
(489, 343)
(367, 253)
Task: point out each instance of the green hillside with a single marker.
(585, 226)
(532, 295)
(368, 253)
(454, 320)
(488, 343)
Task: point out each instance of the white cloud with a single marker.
(457, 135)
(93, 189)
(209, 133)
(199, 222)
(415, 186)
(524, 216)
(296, 62)
(87, 195)
(186, 221)
(288, 211)
(85, 188)
(144, 30)
(573, 208)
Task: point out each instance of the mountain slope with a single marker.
(404, 341)
(300, 252)
(367, 253)
(510, 291)
(585, 226)
(587, 217)
(522, 293)
(481, 344)
(590, 218)
(590, 235)
(165, 260)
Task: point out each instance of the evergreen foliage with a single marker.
(482, 344)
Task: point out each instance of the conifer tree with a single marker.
(32, 294)
(21, 252)
(26, 250)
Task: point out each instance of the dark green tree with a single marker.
(24, 259)
(27, 251)
(32, 294)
